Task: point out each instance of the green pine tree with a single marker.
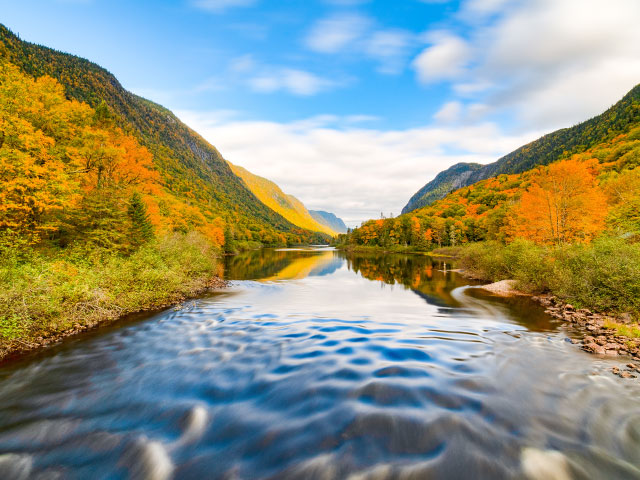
(229, 242)
(141, 228)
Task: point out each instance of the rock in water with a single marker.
(544, 464)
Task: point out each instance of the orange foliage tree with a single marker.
(563, 204)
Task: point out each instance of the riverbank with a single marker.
(378, 249)
(45, 298)
(596, 288)
(602, 334)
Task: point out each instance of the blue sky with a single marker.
(352, 105)
(199, 54)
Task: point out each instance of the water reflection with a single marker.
(282, 264)
(433, 279)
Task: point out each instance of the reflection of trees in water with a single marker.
(256, 264)
(424, 275)
(429, 278)
(269, 264)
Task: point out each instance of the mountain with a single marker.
(445, 182)
(560, 144)
(330, 220)
(573, 200)
(286, 205)
(190, 168)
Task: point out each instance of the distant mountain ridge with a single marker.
(330, 220)
(556, 145)
(286, 205)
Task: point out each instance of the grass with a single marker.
(621, 329)
(446, 252)
(51, 292)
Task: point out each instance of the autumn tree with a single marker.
(33, 180)
(563, 204)
(623, 192)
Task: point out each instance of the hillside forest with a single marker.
(93, 226)
(572, 200)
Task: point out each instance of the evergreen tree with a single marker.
(141, 228)
(229, 243)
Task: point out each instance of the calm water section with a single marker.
(316, 364)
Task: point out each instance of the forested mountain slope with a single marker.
(189, 167)
(563, 143)
(572, 200)
(286, 205)
(445, 182)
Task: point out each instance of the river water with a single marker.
(316, 364)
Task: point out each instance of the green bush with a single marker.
(603, 276)
(247, 245)
(52, 291)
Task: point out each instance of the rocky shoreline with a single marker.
(597, 338)
(18, 348)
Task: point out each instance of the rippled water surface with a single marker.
(321, 365)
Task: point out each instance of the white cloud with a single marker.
(353, 172)
(562, 62)
(449, 113)
(218, 6)
(352, 119)
(445, 59)
(359, 35)
(331, 34)
(548, 63)
(471, 88)
(390, 48)
(263, 78)
(242, 64)
(297, 82)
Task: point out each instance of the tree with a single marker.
(623, 190)
(563, 204)
(141, 230)
(229, 242)
(33, 182)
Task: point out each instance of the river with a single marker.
(316, 364)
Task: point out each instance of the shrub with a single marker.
(52, 291)
(604, 275)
